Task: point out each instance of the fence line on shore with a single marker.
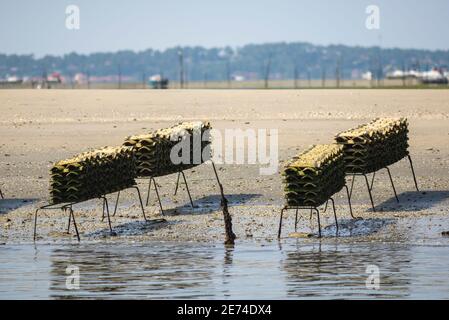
(256, 84)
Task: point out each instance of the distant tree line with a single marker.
(250, 62)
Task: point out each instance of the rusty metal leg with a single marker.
(177, 183)
(1, 194)
(369, 192)
(35, 224)
(319, 222)
(392, 184)
(349, 202)
(335, 213)
(141, 203)
(116, 204)
(372, 181)
(148, 194)
(105, 201)
(187, 188)
(70, 220)
(157, 194)
(103, 214)
(280, 222)
(325, 208)
(296, 220)
(74, 223)
(311, 214)
(352, 185)
(413, 172)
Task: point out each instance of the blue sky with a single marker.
(38, 27)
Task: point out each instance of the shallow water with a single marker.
(291, 270)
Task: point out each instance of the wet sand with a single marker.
(38, 128)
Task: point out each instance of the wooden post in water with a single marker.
(230, 236)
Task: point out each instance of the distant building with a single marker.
(367, 76)
(11, 80)
(400, 74)
(434, 76)
(54, 78)
(158, 82)
(80, 78)
(238, 78)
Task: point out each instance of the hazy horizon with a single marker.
(39, 28)
(219, 47)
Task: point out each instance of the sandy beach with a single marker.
(40, 127)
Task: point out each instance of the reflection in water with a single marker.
(227, 268)
(292, 270)
(139, 271)
(335, 270)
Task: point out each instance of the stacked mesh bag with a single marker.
(373, 146)
(153, 150)
(314, 176)
(92, 174)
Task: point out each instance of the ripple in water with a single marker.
(250, 271)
